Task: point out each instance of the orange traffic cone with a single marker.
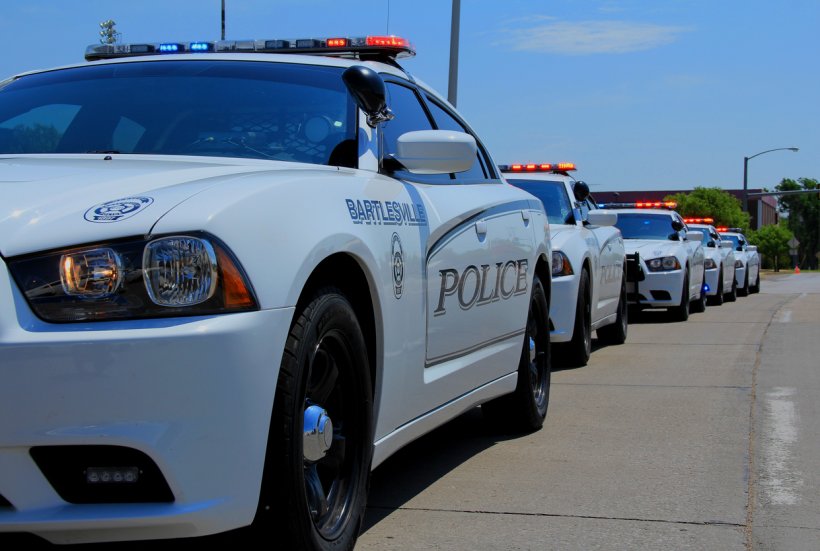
(797, 269)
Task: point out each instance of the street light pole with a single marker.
(746, 172)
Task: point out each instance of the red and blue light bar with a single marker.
(389, 46)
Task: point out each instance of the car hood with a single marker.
(49, 202)
(650, 248)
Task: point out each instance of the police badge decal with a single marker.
(398, 265)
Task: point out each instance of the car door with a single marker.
(477, 261)
(609, 249)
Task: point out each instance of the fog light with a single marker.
(113, 475)
(93, 273)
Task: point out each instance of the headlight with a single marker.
(180, 275)
(663, 264)
(738, 263)
(709, 264)
(560, 264)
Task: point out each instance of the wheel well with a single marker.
(585, 266)
(342, 271)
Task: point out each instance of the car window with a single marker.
(409, 116)
(262, 110)
(646, 226)
(445, 121)
(705, 234)
(554, 197)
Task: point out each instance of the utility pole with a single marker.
(223, 19)
(452, 87)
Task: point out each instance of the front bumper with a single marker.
(563, 302)
(740, 275)
(657, 289)
(192, 394)
(710, 278)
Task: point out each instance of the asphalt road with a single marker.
(702, 434)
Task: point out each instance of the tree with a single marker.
(772, 242)
(714, 203)
(803, 216)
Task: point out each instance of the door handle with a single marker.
(526, 216)
(481, 228)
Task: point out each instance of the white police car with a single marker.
(719, 262)
(588, 261)
(666, 258)
(236, 276)
(748, 270)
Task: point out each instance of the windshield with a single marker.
(554, 197)
(706, 236)
(646, 226)
(220, 108)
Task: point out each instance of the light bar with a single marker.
(387, 46)
(640, 205)
(699, 220)
(721, 229)
(538, 167)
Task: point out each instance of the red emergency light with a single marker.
(699, 220)
(538, 167)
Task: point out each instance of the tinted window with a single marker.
(445, 121)
(409, 116)
(223, 108)
(554, 197)
(646, 226)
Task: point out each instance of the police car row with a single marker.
(236, 276)
(647, 250)
(682, 264)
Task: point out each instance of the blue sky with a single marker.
(640, 94)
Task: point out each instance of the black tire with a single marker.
(717, 299)
(615, 333)
(756, 287)
(744, 291)
(576, 352)
(732, 295)
(526, 408)
(681, 311)
(313, 497)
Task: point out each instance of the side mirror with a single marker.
(580, 190)
(694, 236)
(677, 225)
(602, 217)
(711, 243)
(726, 244)
(367, 89)
(436, 151)
(751, 248)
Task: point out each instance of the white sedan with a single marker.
(720, 262)
(588, 262)
(668, 259)
(236, 276)
(748, 271)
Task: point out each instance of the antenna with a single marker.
(223, 19)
